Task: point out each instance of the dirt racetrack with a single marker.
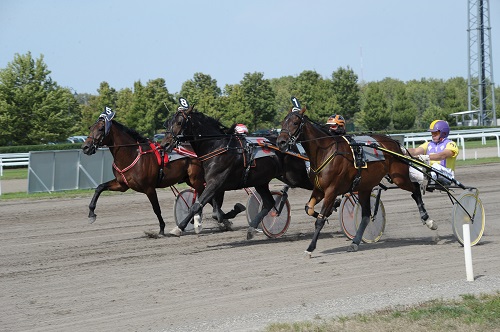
(60, 273)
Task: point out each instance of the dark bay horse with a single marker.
(227, 163)
(333, 164)
(137, 164)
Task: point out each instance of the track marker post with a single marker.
(467, 252)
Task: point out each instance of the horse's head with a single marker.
(176, 127)
(98, 132)
(291, 128)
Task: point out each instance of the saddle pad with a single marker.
(369, 154)
(260, 150)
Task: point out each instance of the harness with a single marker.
(162, 160)
(245, 148)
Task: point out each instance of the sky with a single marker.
(86, 42)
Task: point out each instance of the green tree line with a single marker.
(34, 109)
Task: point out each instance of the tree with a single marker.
(34, 109)
(316, 94)
(160, 103)
(258, 99)
(403, 110)
(232, 106)
(107, 97)
(347, 92)
(456, 97)
(282, 88)
(374, 114)
(203, 92)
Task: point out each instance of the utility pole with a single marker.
(481, 86)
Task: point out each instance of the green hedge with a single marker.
(48, 147)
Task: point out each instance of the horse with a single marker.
(336, 171)
(227, 163)
(138, 165)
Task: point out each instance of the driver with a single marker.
(440, 151)
(337, 124)
(241, 129)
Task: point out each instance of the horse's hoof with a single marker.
(228, 224)
(307, 254)
(176, 231)
(238, 207)
(197, 224)
(251, 233)
(353, 247)
(92, 219)
(431, 224)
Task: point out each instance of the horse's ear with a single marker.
(303, 110)
(190, 109)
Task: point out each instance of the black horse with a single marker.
(229, 163)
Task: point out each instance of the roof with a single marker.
(465, 112)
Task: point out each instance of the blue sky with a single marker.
(122, 41)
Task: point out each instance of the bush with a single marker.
(28, 148)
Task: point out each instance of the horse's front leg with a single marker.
(364, 201)
(321, 217)
(315, 198)
(112, 185)
(194, 211)
(267, 205)
(424, 217)
(153, 199)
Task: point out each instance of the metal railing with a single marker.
(13, 159)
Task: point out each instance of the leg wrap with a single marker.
(313, 214)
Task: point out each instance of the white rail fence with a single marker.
(13, 159)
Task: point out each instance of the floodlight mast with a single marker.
(481, 85)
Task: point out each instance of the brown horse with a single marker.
(333, 162)
(138, 165)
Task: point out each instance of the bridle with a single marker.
(293, 137)
(178, 138)
(95, 144)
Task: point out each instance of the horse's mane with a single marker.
(324, 128)
(135, 135)
(208, 125)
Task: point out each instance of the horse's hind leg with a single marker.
(267, 205)
(417, 197)
(218, 214)
(153, 199)
(364, 201)
(112, 185)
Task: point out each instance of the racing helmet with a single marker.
(336, 121)
(441, 126)
(241, 129)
